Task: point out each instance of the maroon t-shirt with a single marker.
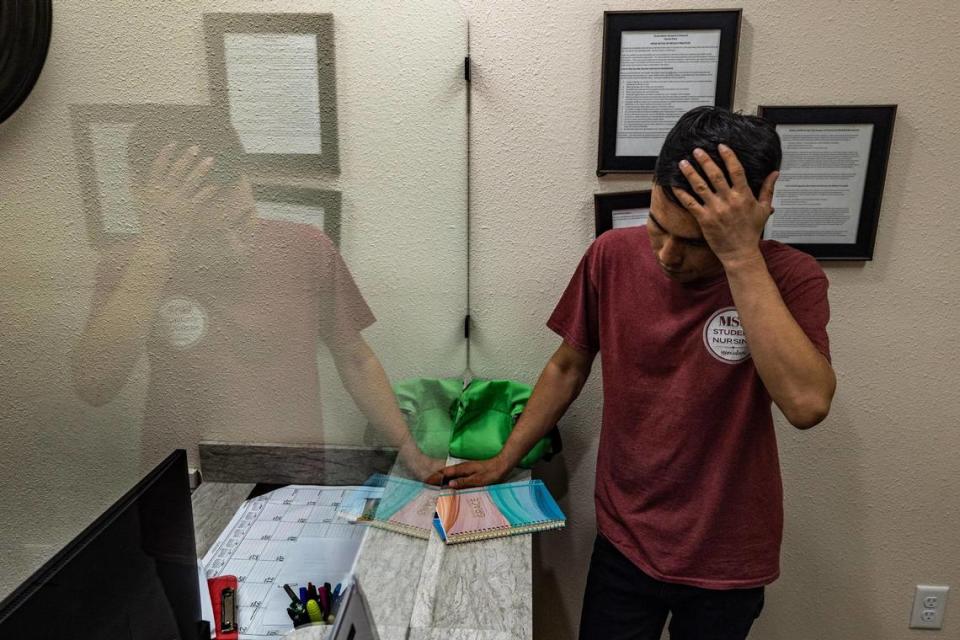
(233, 342)
(688, 479)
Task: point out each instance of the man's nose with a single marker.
(671, 253)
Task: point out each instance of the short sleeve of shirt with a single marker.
(575, 317)
(343, 309)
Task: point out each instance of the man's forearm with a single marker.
(798, 377)
(367, 383)
(115, 337)
(555, 390)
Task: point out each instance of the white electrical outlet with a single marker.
(929, 604)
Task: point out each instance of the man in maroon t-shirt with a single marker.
(701, 324)
(229, 309)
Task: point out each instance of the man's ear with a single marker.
(765, 198)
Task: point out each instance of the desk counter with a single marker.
(421, 590)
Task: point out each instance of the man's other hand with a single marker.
(475, 473)
(420, 465)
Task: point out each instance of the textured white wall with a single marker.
(402, 138)
(871, 494)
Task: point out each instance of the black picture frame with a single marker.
(615, 23)
(882, 117)
(320, 25)
(328, 200)
(110, 206)
(606, 206)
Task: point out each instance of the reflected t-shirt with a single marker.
(688, 480)
(233, 343)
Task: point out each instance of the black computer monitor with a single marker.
(131, 575)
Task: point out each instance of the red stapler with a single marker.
(223, 595)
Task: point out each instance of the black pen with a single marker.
(296, 610)
(291, 593)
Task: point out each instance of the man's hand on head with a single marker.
(174, 191)
(731, 218)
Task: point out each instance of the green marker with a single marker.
(313, 610)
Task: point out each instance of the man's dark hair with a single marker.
(186, 125)
(753, 139)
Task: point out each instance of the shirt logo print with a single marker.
(183, 322)
(724, 338)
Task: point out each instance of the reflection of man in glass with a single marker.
(229, 308)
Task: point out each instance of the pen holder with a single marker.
(312, 631)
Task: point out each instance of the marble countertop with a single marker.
(417, 589)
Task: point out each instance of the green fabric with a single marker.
(428, 404)
(485, 415)
(471, 423)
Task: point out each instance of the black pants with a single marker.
(621, 602)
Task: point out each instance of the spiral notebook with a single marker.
(496, 511)
(404, 506)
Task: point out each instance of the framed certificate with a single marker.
(274, 75)
(100, 135)
(318, 207)
(620, 210)
(657, 65)
(827, 199)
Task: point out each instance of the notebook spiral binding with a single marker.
(505, 531)
(405, 529)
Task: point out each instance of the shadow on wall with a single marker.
(560, 560)
(828, 570)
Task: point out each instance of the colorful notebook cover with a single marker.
(496, 511)
(407, 507)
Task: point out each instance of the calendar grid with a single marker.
(292, 535)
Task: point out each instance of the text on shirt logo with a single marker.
(724, 338)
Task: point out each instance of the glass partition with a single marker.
(223, 221)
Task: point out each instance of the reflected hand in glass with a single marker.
(174, 194)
